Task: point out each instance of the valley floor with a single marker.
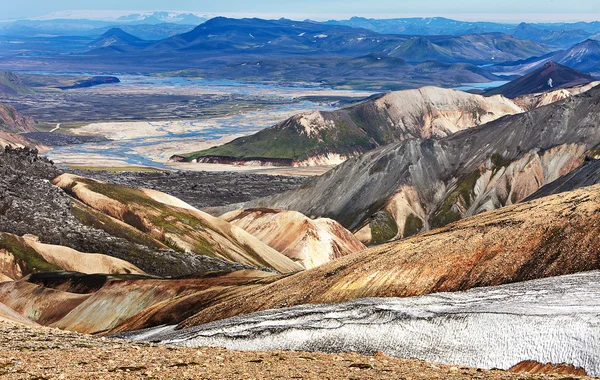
(45, 353)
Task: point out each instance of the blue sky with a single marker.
(501, 10)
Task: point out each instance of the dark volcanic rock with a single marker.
(202, 189)
(62, 139)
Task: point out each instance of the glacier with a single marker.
(553, 320)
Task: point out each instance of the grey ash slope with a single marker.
(440, 181)
(550, 320)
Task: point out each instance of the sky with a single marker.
(484, 10)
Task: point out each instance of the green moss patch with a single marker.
(383, 227)
(412, 225)
(25, 255)
(445, 213)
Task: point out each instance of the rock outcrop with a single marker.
(8, 315)
(11, 124)
(309, 242)
(12, 121)
(531, 366)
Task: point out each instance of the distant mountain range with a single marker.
(260, 37)
(305, 51)
(556, 34)
(584, 56)
(148, 25)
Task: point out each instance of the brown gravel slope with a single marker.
(43, 353)
(552, 236)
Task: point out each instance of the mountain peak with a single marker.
(118, 32)
(550, 76)
(116, 37)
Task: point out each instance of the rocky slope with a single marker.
(175, 223)
(304, 240)
(551, 76)
(12, 121)
(61, 220)
(547, 237)
(326, 138)
(549, 321)
(22, 256)
(421, 184)
(11, 124)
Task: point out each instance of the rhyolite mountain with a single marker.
(13, 121)
(311, 242)
(587, 174)
(21, 256)
(421, 184)
(325, 138)
(551, 76)
(173, 223)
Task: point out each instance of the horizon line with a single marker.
(508, 18)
